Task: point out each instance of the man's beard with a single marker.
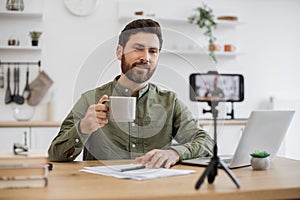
(133, 74)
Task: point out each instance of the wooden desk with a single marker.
(281, 181)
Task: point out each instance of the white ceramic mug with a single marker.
(122, 109)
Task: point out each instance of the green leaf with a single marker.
(260, 154)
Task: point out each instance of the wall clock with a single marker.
(81, 7)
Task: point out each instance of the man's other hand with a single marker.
(157, 158)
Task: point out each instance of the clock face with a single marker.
(81, 7)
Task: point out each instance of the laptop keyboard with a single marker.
(227, 160)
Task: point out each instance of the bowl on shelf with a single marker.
(23, 112)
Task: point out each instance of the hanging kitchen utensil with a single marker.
(26, 92)
(18, 98)
(1, 76)
(15, 85)
(8, 96)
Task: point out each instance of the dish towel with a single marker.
(38, 88)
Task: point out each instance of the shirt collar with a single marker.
(120, 90)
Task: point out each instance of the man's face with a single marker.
(140, 57)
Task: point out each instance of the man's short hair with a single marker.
(140, 25)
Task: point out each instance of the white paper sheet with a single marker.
(139, 174)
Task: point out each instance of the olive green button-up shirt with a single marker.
(162, 122)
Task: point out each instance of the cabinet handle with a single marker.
(25, 138)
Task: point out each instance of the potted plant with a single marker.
(204, 18)
(35, 35)
(260, 160)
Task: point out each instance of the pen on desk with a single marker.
(132, 168)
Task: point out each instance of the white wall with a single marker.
(268, 40)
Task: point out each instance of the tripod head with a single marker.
(213, 110)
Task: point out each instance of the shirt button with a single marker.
(133, 145)
(76, 140)
(126, 90)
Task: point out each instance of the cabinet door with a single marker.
(9, 136)
(41, 137)
(228, 137)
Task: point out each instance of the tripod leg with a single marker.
(210, 171)
(231, 175)
(212, 174)
(202, 178)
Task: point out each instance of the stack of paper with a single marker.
(140, 173)
(27, 170)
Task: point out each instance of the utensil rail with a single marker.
(38, 63)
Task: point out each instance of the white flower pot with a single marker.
(260, 163)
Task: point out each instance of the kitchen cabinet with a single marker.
(33, 137)
(9, 136)
(36, 135)
(41, 137)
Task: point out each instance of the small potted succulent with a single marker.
(35, 35)
(260, 160)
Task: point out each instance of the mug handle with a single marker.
(106, 103)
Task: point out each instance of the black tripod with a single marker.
(211, 170)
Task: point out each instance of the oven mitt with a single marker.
(38, 88)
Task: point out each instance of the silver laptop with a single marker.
(265, 130)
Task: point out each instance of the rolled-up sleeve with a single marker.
(69, 142)
(193, 141)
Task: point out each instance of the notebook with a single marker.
(264, 131)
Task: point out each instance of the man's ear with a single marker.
(119, 52)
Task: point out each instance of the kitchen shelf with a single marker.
(223, 23)
(26, 48)
(200, 52)
(228, 23)
(132, 17)
(20, 14)
(30, 124)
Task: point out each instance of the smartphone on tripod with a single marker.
(211, 86)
